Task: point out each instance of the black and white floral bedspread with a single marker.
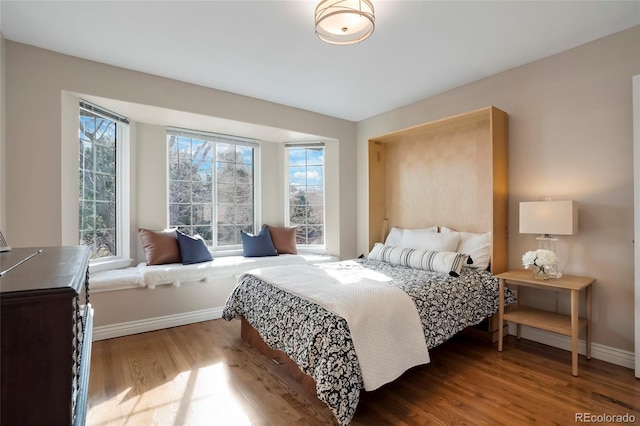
(320, 342)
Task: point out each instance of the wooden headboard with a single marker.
(450, 172)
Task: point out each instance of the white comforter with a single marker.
(384, 323)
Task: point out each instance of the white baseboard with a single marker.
(601, 352)
(152, 324)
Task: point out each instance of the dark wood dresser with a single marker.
(45, 336)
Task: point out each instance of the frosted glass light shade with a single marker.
(548, 217)
(344, 21)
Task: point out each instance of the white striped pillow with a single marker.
(437, 261)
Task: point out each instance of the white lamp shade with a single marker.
(548, 217)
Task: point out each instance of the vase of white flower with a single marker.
(541, 262)
(540, 272)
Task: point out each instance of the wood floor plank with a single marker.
(204, 374)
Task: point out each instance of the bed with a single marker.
(320, 342)
(450, 172)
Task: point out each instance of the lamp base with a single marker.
(547, 242)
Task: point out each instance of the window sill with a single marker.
(103, 265)
(312, 250)
(301, 250)
(225, 253)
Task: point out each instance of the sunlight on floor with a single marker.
(202, 396)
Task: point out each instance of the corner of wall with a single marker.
(3, 144)
(69, 169)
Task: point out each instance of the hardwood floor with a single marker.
(204, 374)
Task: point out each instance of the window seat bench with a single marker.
(183, 294)
(176, 273)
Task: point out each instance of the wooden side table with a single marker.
(569, 325)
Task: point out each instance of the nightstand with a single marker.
(569, 325)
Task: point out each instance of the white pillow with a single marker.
(436, 261)
(395, 235)
(476, 245)
(423, 240)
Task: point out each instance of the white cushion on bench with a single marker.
(116, 279)
(176, 273)
(220, 267)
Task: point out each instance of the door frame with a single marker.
(636, 191)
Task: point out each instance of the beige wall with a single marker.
(38, 84)
(570, 137)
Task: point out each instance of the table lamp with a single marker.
(548, 218)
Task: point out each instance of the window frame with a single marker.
(123, 205)
(215, 139)
(310, 248)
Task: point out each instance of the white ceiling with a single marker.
(268, 49)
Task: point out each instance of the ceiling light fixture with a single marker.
(344, 21)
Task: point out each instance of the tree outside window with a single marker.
(211, 187)
(97, 184)
(306, 193)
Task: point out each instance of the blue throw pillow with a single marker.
(193, 249)
(258, 245)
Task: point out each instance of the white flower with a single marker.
(539, 258)
(528, 258)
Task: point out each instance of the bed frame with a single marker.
(251, 336)
(450, 172)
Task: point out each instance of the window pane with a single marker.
(315, 156)
(97, 184)
(225, 153)
(202, 173)
(180, 148)
(205, 233)
(297, 156)
(315, 235)
(228, 235)
(87, 218)
(315, 176)
(243, 174)
(105, 215)
(226, 213)
(201, 194)
(225, 172)
(244, 214)
(105, 132)
(85, 154)
(179, 192)
(200, 150)
(179, 214)
(215, 185)
(301, 234)
(105, 243)
(306, 194)
(298, 176)
(315, 195)
(202, 214)
(244, 194)
(105, 159)
(105, 187)
(87, 238)
(244, 154)
(87, 185)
